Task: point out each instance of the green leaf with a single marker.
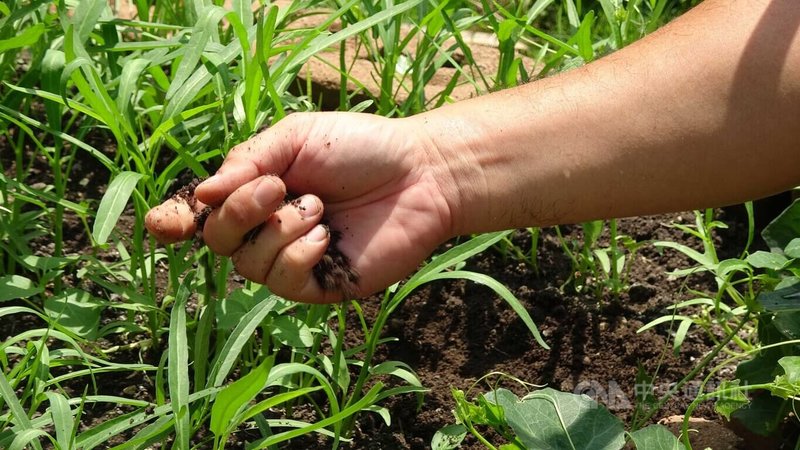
(656, 437)
(764, 415)
(236, 396)
(291, 331)
(62, 419)
(75, 310)
(786, 227)
(86, 15)
(558, 420)
(449, 437)
(112, 204)
(792, 249)
(26, 38)
(368, 399)
(230, 310)
(767, 260)
(592, 231)
(238, 338)
(791, 368)
(503, 292)
(13, 287)
(178, 365)
(21, 440)
(781, 300)
(18, 415)
(729, 399)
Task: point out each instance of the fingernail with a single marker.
(317, 234)
(266, 193)
(308, 206)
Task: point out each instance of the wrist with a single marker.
(452, 146)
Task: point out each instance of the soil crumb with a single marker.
(333, 272)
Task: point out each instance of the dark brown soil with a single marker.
(454, 333)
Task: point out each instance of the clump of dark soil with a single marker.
(334, 272)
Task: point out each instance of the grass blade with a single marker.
(368, 400)
(62, 419)
(178, 366)
(239, 336)
(450, 258)
(27, 38)
(503, 292)
(20, 417)
(112, 205)
(236, 396)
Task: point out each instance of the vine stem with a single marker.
(693, 373)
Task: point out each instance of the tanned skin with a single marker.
(705, 112)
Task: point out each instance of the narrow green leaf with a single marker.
(367, 400)
(86, 15)
(273, 401)
(238, 338)
(63, 421)
(178, 365)
(18, 415)
(193, 50)
(26, 38)
(236, 396)
(450, 258)
(112, 204)
(24, 438)
(503, 292)
(128, 81)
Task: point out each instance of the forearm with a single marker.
(705, 112)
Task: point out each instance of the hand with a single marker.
(378, 182)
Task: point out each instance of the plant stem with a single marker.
(690, 376)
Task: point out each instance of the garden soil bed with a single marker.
(454, 333)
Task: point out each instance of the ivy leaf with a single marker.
(656, 437)
(786, 227)
(449, 437)
(559, 420)
(767, 260)
(729, 402)
(231, 310)
(792, 249)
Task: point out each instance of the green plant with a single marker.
(736, 284)
(596, 268)
(135, 105)
(543, 418)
